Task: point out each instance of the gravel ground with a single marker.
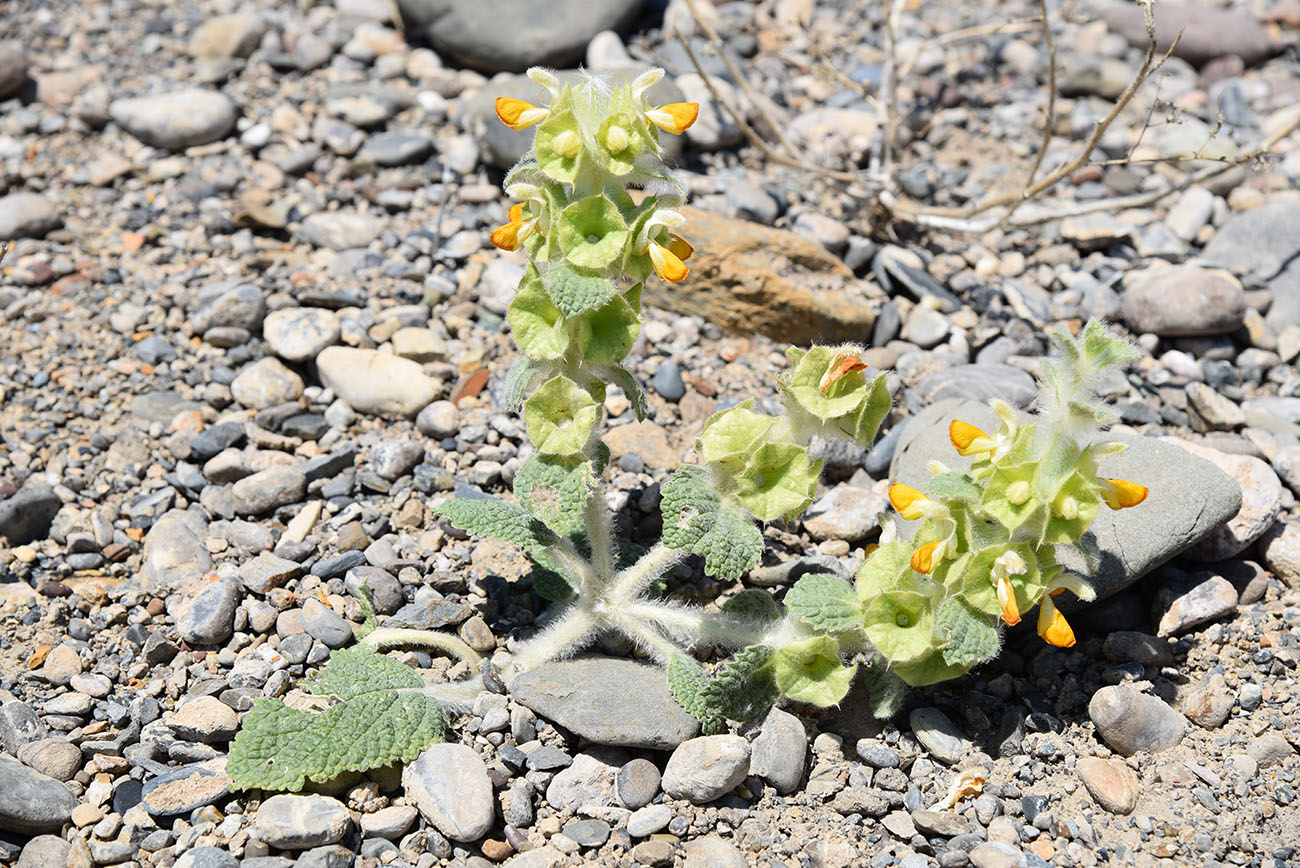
(252, 330)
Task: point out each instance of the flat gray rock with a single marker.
(33, 803)
(1263, 246)
(27, 215)
(1189, 497)
(178, 120)
(512, 35)
(28, 514)
(1197, 32)
(607, 700)
(174, 551)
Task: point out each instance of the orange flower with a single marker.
(969, 440)
(1007, 600)
(667, 264)
(512, 234)
(675, 117)
(1052, 625)
(909, 502)
(840, 367)
(1120, 493)
(519, 114)
(923, 558)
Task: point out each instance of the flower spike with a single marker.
(519, 114)
(1120, 493)
(675, 117)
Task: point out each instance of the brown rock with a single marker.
(751, 278)
(1110, 782)
(647, 440)
(1209, 705)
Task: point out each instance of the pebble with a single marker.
(233, 35)
(178, 120)
(1269, 749)
(1280, 550)
(268, 490)
(375, 383)
(266, 383)
(393, 459)
(1184, 300)
(267, 571)
(1129, 645)
(608, 701)
(1129, 721)
(1209, 704)
(209, 620)
(398, 148)
(712, 851)
(846, 512)
(1184, 604)
(61, 664)
(996, 854)
(207, 857)
(26, 515)
(27, 215)
(778, 754)
(589, 780)
(439, 420)
(449, 784)
(1196, 32)
(650, 819)
(322, 624)
(390, 823)
(938, 735)
(13, 67)
(34, 803)
(1261, 501)
(298, 334)
(291, 822)
(637, 783)
(588, 833)
(1110, 782)
(43, 851)
(178, 792)
(205, 719)
(54, 757)
(706, 768)
(229, 305)
(667, 381)
(341, 230)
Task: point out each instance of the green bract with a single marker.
(560, 417)
(592, 233)
(829, 387)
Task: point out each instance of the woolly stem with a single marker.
(398, 637)
(628, 584)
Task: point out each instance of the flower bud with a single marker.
(567, 143)
(1018, 492)
(617, 139)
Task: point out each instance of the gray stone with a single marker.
(942, 823)
(926, 327)
(712, 852)
(1280, 550)
(19, 725)
(178, 792)
(204, 719)
(235, 35)
(298, 334)
(1110, 782)
(667, 382)
(393, 459)
(648, 820)
(1269, 749)
(512, 35)
(1189, 497)
(997, 854)
(341, 230)
(439, 420)
(27, 515)
(606, 700)
(209, 620)
(938, 735)
(266, 571)
(373, 382)
(974, 383)
(1129, 646)
(55, 757)
(846, 512)
(289, 822)
(397, 148)
(13, 67)
(174, 551)
(61, 664)
(1263, 244)
(27, 215)
(207, 857)
(227, 305)
(1188, 602)
(178, 120)
(1209, 703)
(1130, 721)
(706, 768)
(588, 833)
(33, 803)
(266, 383)
(390, 823)
(1185, 300)
(323, 625)
(44, 851)
(1261, 501)
(269, 489)
(1197, 32)
(450, 785)
(590, 780)
(779, 754)
(637, 783)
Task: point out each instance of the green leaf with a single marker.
(885, 689)
(555, 488)
(372, 725)
(825, 602)
(730, 437)
(901, 625)
(623, 378)
(753, 604)
(811, 671)
(743, 688)
(972, 638)
(696, 519)
(537, 324)
(560, 417)
(369, 623)
(498, 520)
(885, 569)
(549, 579)
(558, 166)
(953, 485)
(575, 293)
(687, 680)
(607, 334)
(929, 668)
(778, 482)
(592, 234)
(519, 378)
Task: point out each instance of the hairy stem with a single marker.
(397, 637)
(563, 636)
(628, 584)
(597, 522)
(698, 624)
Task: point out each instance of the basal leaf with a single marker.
(697, 519)
(753, 604)
(687, 680)
(498, 520)
(555, 488)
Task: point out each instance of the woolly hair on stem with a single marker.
(1073, 376)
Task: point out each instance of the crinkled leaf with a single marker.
(929, 668)
(885, 689)
(696, 519)
(887, 568)
(825, 602)
(372, 725)
(811, 671)
(548, 578)
(972, 638)
(743, 687)
(518, 379)
(606, 335)
(498, 520)
(575, 293)
(555, 489)
(687, 681)
(953, 485)
(753, 604)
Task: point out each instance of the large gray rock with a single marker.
(174, 551)
(289, 822)
(505, 146)
(1130, 721)
(512, 35)
(13, 68)
(450, 785)
(1263, 246)
(33, 803)
(27, 215)
(607, 700)
(1185, 300)
(1202, 32)
(176, 120)
(28, 514)
(1189, 497)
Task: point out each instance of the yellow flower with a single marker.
(910, 503)
(667, 264)
(1120, 493)
(666, 260)
(675, 117)
(1052, 625)
(843, 364)
(925, 557)
(512, 234)
(969, 440)
(519, 114)
(1007, 565)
